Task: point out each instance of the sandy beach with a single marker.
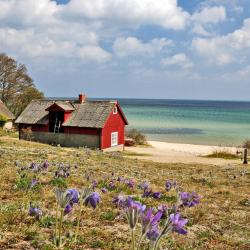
(181, 153)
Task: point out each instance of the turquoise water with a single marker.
(184, 121)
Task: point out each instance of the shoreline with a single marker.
(204, 142)
(196, 149)
(166, 152)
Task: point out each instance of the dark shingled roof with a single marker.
(67, 106)
(90, 114)
(35, 113)
(5, 111)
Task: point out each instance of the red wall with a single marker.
(36, 127)
(40, 128)
(115, 123)
(66, 116)
(76, 130)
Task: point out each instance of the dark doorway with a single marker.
(55, 121)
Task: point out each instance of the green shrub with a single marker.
(109, 215)
(3, 120)
(47, 221)
(97, 244)
(23, 182)
(137, 136)
(59, 182)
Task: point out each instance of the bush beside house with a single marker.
(137, 137)
(6, 117)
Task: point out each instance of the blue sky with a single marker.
(132, 48)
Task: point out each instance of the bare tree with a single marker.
(16, 86)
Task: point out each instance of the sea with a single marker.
(221, 123)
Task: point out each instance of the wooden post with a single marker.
(245, 156)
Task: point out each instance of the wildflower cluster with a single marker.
(150, 219)
(155, 223)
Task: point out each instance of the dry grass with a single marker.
(221, 221)
(129, 153)
(223, 154)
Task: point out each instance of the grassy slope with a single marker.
(221, 221)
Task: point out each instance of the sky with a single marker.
(167, 49)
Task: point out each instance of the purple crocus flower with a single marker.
(112, 184)
(153, 233)
(189, 199)
(156, 195)
(92, 200)
(94, 184)
(130, 183)
(149, 220)
(45, 165)
(68, 208)
(163, 209)
(34, 167)
(74, 195)
(178, 223)
(33, 183)
(35, 211)
(119, 201)
(133, 210)
(119, 179)
(144, 185)
(147, 193)
(168, 185)
(130, 203)
(104, 190)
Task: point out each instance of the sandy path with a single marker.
(181, 153)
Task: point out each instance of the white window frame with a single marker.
(115, 110)
(114, 139)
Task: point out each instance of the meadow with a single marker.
(220, 221)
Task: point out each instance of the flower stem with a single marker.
(139, 242)
(60, 228)
(56, 221)
(133, 239)
(156, 243)
(78, 222)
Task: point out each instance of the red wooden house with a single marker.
(94, 124)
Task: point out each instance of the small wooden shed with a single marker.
(75, 123)
(6, 113)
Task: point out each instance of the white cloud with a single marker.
(234, 6)
(226, 49)
(131, 46)
(43, 28)
(180, 60)
(245, 72)
(200, 30)
(28, 12)
(29, 43)
(131, 12)
(213, 15)
(94, 53)
(32, 29)
(204, 19)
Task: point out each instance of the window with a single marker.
(114, 139)
(115, 110)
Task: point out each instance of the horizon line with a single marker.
(136, 98)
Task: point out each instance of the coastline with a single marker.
(198, 150)
(166, 152)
